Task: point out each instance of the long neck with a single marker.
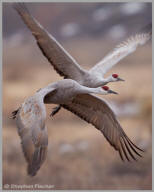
(104, 81)
(108, 79)
(91, 90)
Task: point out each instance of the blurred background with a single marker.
(79, 157)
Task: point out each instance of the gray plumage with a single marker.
(67, 66)
(88, 107)
(31, 116)
(97, 112)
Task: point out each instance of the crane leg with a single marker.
(55, 110)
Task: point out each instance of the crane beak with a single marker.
(112, 92)
(119, 79)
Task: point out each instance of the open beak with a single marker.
(112, 92)
(119, 79)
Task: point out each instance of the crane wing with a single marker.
(125, 48)
(96, 111)
(33, 134)
(59, 58)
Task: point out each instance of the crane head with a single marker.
(116, 77)
(108, 90)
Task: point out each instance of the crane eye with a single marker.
(115, 75)
(105, 88)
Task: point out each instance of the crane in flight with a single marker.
(67, 66)
(31, 116)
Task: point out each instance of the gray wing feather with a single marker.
(34, 138)
(97, 112)
(125, 48)
(59, 58)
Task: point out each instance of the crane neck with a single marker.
(97, 90)
(108, 79)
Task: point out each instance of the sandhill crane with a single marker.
(30, 119)
(66, 65)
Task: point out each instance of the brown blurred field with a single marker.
(79, 157)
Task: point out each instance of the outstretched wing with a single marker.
(97, 112)
(59, 58)
(122, 50)
(33, 134)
